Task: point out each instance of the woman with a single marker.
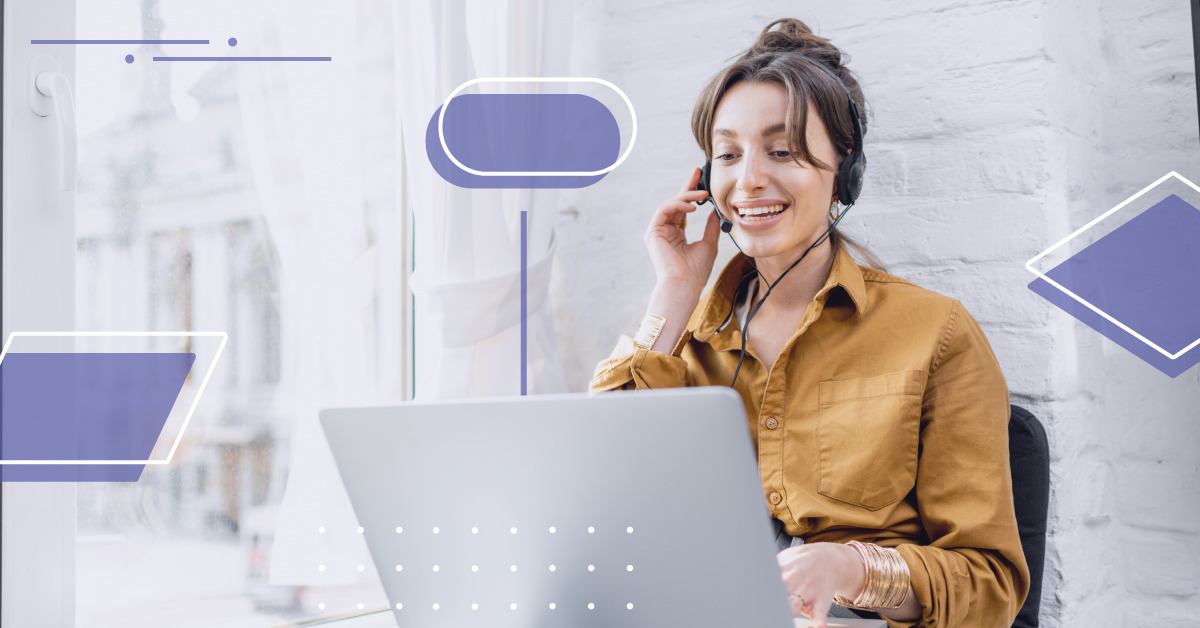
(878, 410)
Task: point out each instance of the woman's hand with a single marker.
(676, 262)
(814, 572)
(682, 268)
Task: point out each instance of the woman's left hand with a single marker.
(815, 572)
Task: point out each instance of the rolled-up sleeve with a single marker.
(973, 572)
(631, 367)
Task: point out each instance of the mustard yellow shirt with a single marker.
(884, 419)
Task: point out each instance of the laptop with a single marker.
(635, 509)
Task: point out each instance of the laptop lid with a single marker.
(627, 508)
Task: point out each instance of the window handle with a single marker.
(54, 87)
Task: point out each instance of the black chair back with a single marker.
(1029, 457)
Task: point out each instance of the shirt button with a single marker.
(776, 498)
(772, 423)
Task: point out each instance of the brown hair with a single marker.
(772, 60)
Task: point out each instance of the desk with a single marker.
(384, 619)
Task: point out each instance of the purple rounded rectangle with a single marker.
(527, 133)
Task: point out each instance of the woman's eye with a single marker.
(782, 154)
(724, 157)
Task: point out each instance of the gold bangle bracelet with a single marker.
(887, 580)
(648, 331)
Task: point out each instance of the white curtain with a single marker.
(466, 283)
(305, 124)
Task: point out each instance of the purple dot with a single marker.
(232, 41)
(128, 58)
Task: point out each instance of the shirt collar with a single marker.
(844, 275)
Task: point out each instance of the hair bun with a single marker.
(795, 36)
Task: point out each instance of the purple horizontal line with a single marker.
(243, 58)
(118, 41)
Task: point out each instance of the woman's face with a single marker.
(778, 207)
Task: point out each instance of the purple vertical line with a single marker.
(524, 299)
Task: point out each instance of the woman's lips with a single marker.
(760, 217)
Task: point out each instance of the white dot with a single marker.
(552, 567)
(360, 529)
(591, 568)
(321, 606)
(321, 530)
(399, 529)
(591, 530)
(474, 530)
(552, 606)
(553, 530)
(474, 567)
(513, 569)
(591, 606)
(629, 530)
(436, 606)
(399, 567)
(436, 568)
(474, 607)
(320, 567)
(512, 530)
(360, 567)
(512, 606)
(436, 530)
(399, 606)
(360, 606)
(629, 606)
(628, 567)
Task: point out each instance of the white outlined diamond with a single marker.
(1029, 266)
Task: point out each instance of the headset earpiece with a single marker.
(705, 173)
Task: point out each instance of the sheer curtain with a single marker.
(305, 126)
(466, 283)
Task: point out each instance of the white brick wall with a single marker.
(997, 129)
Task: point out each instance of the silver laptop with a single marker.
(621, 509)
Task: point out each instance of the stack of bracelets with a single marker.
(887, 578)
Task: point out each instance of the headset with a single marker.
(847, 182)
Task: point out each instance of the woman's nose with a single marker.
(752, 177)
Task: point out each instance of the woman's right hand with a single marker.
(678, 263)
(682, 268)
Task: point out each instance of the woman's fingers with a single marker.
(692, 181)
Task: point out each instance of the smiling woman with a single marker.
(878, 410)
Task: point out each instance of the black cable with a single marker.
(750, 316)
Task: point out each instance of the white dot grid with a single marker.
(475, 568)
(360, 529)
(321, 530)
(360, 606)
(321, 606)
(361, 567)
(512, 606)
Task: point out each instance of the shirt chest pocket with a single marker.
(867, 438)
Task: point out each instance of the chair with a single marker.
(1029, 457)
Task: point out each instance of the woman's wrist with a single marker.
(674, 301)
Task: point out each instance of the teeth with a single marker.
(760, 211)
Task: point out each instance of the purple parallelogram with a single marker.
(85, 406)
(1145, 274)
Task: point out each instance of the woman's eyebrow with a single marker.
(767, 132)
